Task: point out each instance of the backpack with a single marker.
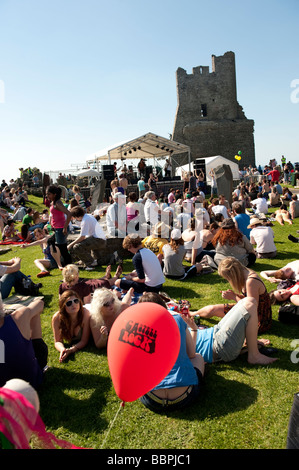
(27, 287)
(289, 313)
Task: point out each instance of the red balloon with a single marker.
(143, 345)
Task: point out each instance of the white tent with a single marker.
(87, 173)
(147, 146)
(211, 163)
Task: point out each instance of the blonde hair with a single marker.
(234, 272)
(70, 273)
(100, 297)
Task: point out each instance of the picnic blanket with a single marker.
(14, 302)
(10, 242)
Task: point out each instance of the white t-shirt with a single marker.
(151, 211)
(147, 263)
(295, 267)
(263, 237)
(220, 209)
(91, 228)
(261, 205)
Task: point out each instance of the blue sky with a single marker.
(77, 76)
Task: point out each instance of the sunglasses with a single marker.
(108, 304)
(69, 302)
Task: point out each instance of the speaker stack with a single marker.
(200, 164)
(108, 173)
(148, 171)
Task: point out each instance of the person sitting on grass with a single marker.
(86, 287)
(70, 325)
(182, 385)
(158, 238)
(11, 276)
(28, 218)
(92, 239)
(52, 259)
(10, 233)
(147, 275)
(173, 256)
(26, 353)
(225, 340)
(105, 307)
(245, 283)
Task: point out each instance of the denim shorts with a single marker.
(60, 238)
(229, 333)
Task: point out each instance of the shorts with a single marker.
(229, 333)
(154, 403)
(60, 238)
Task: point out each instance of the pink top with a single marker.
(131, 212)
(57, 218)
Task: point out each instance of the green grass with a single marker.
(241, 406)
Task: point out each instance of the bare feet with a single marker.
(263, 341)
(118, 271)
(108, 272)
(261, 359)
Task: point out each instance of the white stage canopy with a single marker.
(147, 146)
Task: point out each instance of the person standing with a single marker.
(59, 219)
(141, 187)
(152, 183)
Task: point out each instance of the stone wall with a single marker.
(209, 118)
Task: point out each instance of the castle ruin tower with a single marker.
(209, 118)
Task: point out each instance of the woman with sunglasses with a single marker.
(104, 309)
(70, 324)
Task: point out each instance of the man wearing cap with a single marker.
(116, 217)
(263, 237)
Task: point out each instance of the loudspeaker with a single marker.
(108, 172)
(200, 164)
(166, 178)
(148, 170)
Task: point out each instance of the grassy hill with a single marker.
(241, 406)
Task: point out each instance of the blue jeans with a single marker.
(153, 405)
(8, 281)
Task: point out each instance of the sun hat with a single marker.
(176, 234)
(161, 230)
(227, 223)
(254, 221)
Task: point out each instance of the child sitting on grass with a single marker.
(52, 259)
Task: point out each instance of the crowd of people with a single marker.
(175, 236)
